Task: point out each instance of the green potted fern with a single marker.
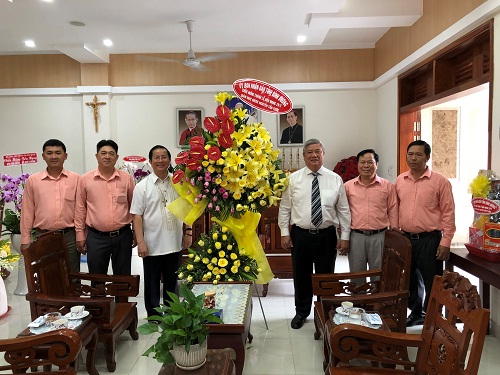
(183, 330)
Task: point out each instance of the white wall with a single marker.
(138, 122)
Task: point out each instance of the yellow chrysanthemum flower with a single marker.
(205, 260)
(210, 266)
(222, 254)
(223, 271)
(190, 267)
(215, 282)
(215, 271)
(191, 255)
(215, 235)
(246, 268)
(189, 279)
(214, 260)
(233, 256)
(230, 247)
(201, 243)
(222, 262)
(234, 269)
(218, 245)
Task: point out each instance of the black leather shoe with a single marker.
(298, 321)
(414, 320)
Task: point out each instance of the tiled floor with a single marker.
(279, 350)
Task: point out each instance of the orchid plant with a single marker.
(11, 191)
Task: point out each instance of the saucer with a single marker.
(84, 314)
(189, 368)
(340, 311)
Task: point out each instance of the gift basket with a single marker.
(484, 234)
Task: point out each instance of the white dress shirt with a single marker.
(162, 230)
(295, 206)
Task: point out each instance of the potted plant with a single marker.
(183, 330)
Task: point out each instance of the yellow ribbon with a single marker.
(244, 232)
(185, 207)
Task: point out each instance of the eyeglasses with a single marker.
(163, 157)
(369, 162)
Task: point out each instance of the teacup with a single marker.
(51, 317)
(346, 306)
(60, 323)
(355, 317)
(77, 311)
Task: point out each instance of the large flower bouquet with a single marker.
(233, 171)
(217, 257)
(11, 191)
(347, 168)
(233, 167)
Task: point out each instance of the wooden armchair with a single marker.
(51, 287)
(442, 347)
(20, 353)
(388, 295)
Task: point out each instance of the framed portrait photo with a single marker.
(291, 127)
(189, 124)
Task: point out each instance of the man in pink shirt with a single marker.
(374, 208)
(102, 208)
(49, 201)
(427, 217)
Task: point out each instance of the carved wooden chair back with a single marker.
(396, 261)
(450, 343)
(445, 341)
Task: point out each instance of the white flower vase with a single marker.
(4, 307)
(194, 359)
(22, 285)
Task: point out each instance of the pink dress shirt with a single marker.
(373, 206)
(103, 204)
(48, 202)
(426, 204)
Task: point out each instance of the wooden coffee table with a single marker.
(218, 362)
(235, 299)
(88, 333)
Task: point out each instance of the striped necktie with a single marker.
(316, 215)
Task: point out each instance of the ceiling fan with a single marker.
(191, 60)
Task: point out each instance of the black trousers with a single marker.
(424, 266)
(156, 267)
(308, 250)
(102, 248)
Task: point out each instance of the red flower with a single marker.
(347, 168)
(178, 176)
(193, 164)
(182, 157)
(223, 112)
(211, 124)
(214, 153)
(197, 152)
(227, 126)
(197, 140)
(225, 140)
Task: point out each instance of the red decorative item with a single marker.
(225, 140)
(223, 112)
(493, 256)
(197, 152)
(197, 140)
(347, 168)
(214, 153)
(178, 176)
(227, 126)
(182, 157)
(211, 124)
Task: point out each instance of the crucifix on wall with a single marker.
(95, 106)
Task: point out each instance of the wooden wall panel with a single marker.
(275, 67)
(37, 71)
(95, 75)
(437, 17)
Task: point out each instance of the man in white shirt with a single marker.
(314, 220)
(159, 233)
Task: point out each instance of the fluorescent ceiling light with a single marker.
(29, 43)
(107, 42)
(301, 38)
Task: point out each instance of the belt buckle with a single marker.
(58, 231)
(367, 232)
(114, 233)
(314, 231)
(414, 236)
